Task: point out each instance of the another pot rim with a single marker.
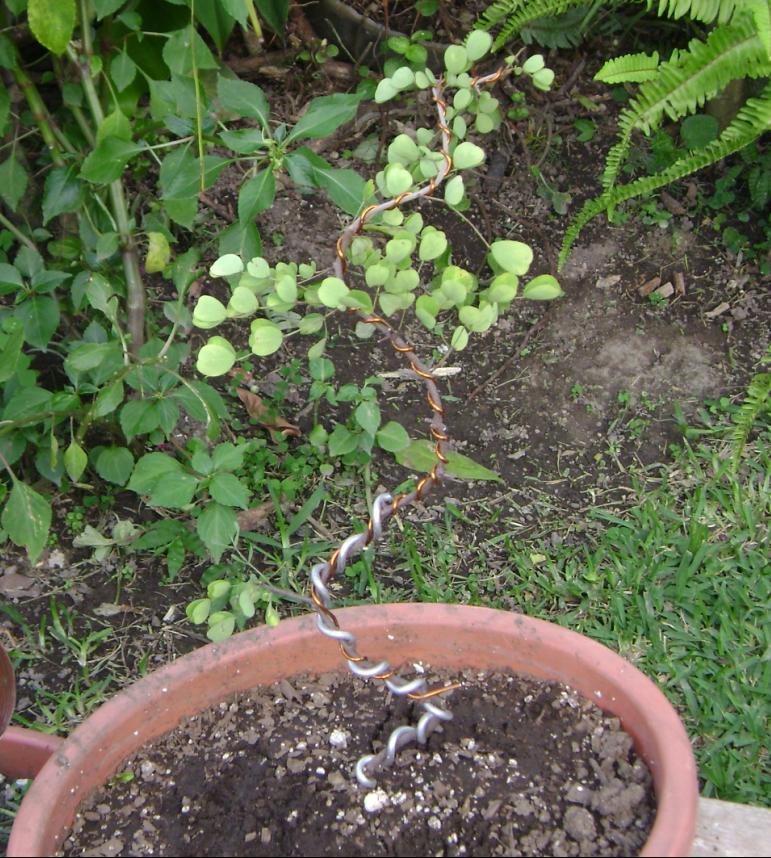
(441, 635)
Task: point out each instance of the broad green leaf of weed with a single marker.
(26, 519)
(420, 456)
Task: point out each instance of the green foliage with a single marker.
(757, 402)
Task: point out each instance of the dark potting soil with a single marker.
(524, 768)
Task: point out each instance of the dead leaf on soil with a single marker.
(15, 584)
(679, 283)
(257, 409)
(108, 609)
(672, 205)
(666, 291)
(251, 519)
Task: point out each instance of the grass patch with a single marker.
(677, 582)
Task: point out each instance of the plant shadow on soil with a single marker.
(564, 401)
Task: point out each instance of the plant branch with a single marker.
(20, 237)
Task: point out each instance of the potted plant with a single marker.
(441, 635)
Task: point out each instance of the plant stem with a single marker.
(135, 290)
(20, 237)
(39, 112)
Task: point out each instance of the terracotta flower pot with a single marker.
(441, 635)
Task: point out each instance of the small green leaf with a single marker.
(26, 519)
(216, 357)
(209, 312)
(265, 338)
(403, 150)
(272, 617)
(342, 441)
(397, 179)
(222, 628)
(420, 456)
(324, 115)
(52, 23)
(543, 288)
(393, 437)
(512, 256)
(107, 161)
(456, 59)
(478, 43)
(256, 195)
(228, 490)
(454, 190)
(158, 252)
(198, 611)
(367, 415)
(432, 245)
(426, 309)
(123, 70)
(385, 91)
(13, 181)
(227, 265)
(174, 494)
(75, 461)
(332, 291)
(503, 288)
(63, 192)
(40, 317)
(113, 464)
(467, 155)
(218, 528)
(243, 302)
(244, 99)
(459, 339)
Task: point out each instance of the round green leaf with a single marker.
(265, 338)
(426, 309)
(461, 99)
(543, 79)
(311, 323)
(542, 288)
(198, 610)
(221, 628)
(513, 256)
(332, 291)
(158, 252)
(216, 357)
(397, 179)
(398, 249)
(209, 312)
(243, 302)
(403, 150)
(484, 123)
(454, 190)
(227, 265)
(403, 77)
(403, 281)
(385, 91)
(478, 43)
(503, 288)
(286, 288)
(533, 64)
(456, 59)
(467, 155)
(377, 274)
(432, 245)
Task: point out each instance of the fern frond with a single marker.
(519, 13)
(750, 122)
(705, 11)
(685, 82)
(756, 400)
(631, 68)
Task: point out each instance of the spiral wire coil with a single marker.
(386, 505)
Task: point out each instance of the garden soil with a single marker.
(524, 768)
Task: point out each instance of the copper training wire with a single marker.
(385, 506)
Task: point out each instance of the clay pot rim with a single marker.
(657, 730)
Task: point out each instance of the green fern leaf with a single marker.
(685, 82)
(750, 122)
(705, 11)
(631, 68)
(756, 401)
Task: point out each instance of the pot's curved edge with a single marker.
(24, 752)
(446, 635)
